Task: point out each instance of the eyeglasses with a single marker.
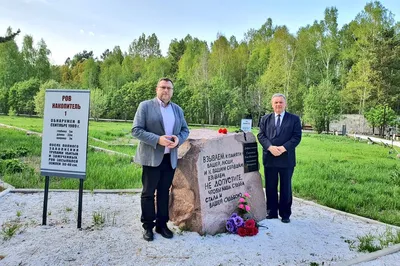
(165, 87)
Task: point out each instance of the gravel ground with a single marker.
(315, 234)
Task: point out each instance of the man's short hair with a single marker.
(165, 79)
(278, 95)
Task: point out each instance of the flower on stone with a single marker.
(238, 221)
(250, 223)
(230, 226)
(242, 231)
(241, 222)
(223, 130)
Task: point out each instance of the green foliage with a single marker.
(395, 177)
(9, 229)
(40, 96)
(132, 68)
(7, 154)
(11, 63)
(372, 243)
(175, 52)
(11, 166)
(227, 80)
(90, 75)
(98, 103)
(111, 75)
(11, 153)
(322, 105)
(277, 77)
(9, 37)
(98, 218)
(381, 116)
(21, 96)
(367, 244)
(80, 57)
(145, 47)
(42, 64)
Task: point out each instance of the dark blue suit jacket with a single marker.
(289, 137)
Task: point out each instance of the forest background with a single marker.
(324, 71)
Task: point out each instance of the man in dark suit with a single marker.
(280, 133)
(160, 126)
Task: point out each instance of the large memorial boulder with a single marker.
(214, 171)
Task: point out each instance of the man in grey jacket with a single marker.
(160, 126)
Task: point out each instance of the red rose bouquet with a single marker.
(223, 130)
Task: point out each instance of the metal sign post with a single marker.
(46, 197)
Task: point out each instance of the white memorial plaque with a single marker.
(65, 133)
(246, 125)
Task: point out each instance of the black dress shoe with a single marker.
(164, 231)
(272, 216)
(285, 220)
(148, 235)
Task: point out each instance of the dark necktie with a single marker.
(278, 125)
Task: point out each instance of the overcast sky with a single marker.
(71, 26)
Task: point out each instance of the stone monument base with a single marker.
(214, 171)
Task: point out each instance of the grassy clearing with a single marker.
(103, 170)
(334, 171)
(117, 135)
(126, 149)
(349, 176)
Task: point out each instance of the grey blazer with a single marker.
(148, 126)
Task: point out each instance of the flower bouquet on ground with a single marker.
(241, 222)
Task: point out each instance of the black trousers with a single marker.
(285, 188)
(156, 178)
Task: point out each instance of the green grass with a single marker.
(103, 170)
(334, 171)
(372, 242)
(349, 176)
(117, 135)
(126, 149)
(10, 228)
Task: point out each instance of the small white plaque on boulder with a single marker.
(214, 171)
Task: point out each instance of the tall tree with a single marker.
(322, 105)
(42, 64)
(175, 52)
(28, 56)
(90, 75)
(132, 68)
(374, 51)
(145, 47)
(10, 36)
(278, 76)
(11, 64)
(80, 57)
(98, 103)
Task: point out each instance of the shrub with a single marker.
(11, 166)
